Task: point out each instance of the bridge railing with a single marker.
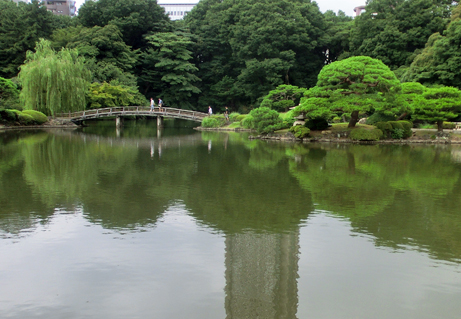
(131, 110)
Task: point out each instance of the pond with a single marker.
(175, 223)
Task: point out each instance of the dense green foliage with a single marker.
(283, 97)
(102, 95)
(27, 117)
(213, 121)
(392, 30)
(39, 117)
(168, 70)
(439, 62)
(438, 105)
(247, 48)
(265, 120)
(300, 131)
(249, 53)
(354, 85)
(359, 134)
(53, 82)
(134, 18)
(21, 26)
(9, 94)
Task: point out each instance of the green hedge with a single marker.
(38, 117)
(25, 119)
(448, 125)
(212, 121)
(379, 117)
(8, 115)
(300, 131)
(358, 134)
(395, 129)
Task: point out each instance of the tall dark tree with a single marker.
(21, 26)
(134, 18)
(440, 61)
(337, 35)
(168, 70)
(391, 30)
(105, 52)
(248, 47)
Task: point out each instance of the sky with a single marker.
(344, 5)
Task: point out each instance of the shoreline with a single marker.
(322, 136)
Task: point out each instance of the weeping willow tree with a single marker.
(53, 82)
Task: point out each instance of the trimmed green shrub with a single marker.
(300, 131)
(448, 125)
(407, 126)
(379, 117)
(266, 120)
(317, 124)
(247, 122)
(366, 134)
(8, 115)
(336, 119)
(25, 119)
(233, 116)
(396, 124)
(211, 121)
(39, 117)
(397, 133)
(241, 117)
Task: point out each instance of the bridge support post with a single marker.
(159, 121)
(118, 121)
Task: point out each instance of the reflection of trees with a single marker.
(19, 207)
(232, 196)
(403, 195)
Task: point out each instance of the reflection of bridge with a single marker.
(122, 111)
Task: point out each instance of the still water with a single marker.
(174, 223)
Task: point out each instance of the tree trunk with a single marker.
(402, 116)
(440, 126)
(354, 119)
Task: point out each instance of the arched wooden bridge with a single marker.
(122, 111)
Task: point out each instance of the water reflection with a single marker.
(261, 275)
(256, 197)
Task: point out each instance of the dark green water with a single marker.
(174, 223)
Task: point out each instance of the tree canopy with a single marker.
(248, 47)
(391, 30)
(357, 84)
(53, 82)
(440, 61)
(134, 18)
(21, 26)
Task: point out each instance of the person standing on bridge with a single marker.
(160, 104)
(210, 111)
(152, 104)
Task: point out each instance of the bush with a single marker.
(241, 117)
(265, 120)
(25, 119)
(213, 121)
(407, 126)
(358, 134)
(317, 124)
(247, 122)
(336, 119)
(300, 131)
(379, 117)
(448, 125)
(8, 115)
(38, 117)
(233, 117)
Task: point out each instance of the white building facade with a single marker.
(177, 11)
